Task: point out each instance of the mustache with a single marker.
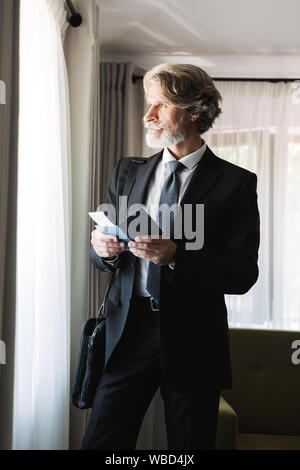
(153, 125)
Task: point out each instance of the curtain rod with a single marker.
(75, 19)
(273, 80)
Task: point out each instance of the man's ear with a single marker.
(193, 117)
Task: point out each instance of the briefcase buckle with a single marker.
(153, 306)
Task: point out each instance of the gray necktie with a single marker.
(169, 195)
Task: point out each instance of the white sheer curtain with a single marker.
(41, 393)
(259, 129)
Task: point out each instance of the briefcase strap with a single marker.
(102, 309)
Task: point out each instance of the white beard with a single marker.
(167, 137)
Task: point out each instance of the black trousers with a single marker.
(126, 388)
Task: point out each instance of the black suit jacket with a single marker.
(193, 316)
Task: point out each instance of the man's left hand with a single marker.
(158, 250)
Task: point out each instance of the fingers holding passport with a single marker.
(106, 246)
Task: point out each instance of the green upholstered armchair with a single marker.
(262, 410)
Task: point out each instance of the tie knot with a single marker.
(175, 166)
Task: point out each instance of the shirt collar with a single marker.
(190, 160)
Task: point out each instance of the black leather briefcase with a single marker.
(91, 358)
(90, 362)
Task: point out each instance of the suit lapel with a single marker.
(205, 175)
(139, 186)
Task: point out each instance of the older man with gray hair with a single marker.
(166, 321)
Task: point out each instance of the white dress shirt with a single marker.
(156, 183)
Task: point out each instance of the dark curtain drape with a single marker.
(118, 132)
(9, 76)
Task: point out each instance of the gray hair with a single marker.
(188, 87)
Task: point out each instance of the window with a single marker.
(259, 307)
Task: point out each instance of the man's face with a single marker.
(166, 124)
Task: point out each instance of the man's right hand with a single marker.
(106, 246)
